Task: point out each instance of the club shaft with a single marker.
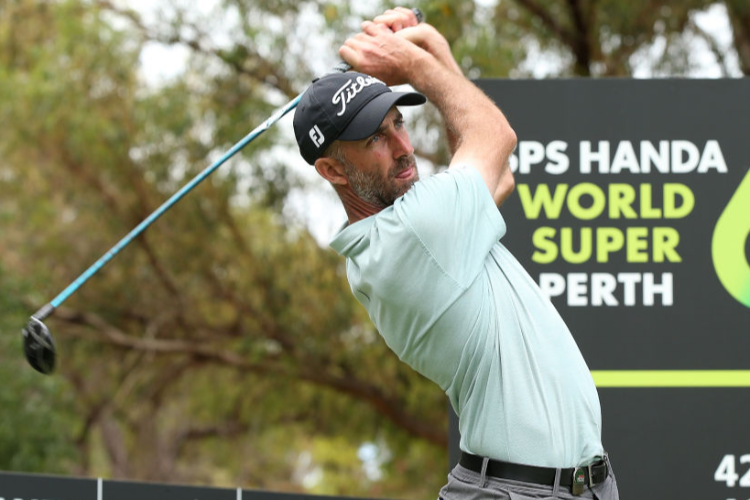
(49, 308)
(38, 344)
(104, 259)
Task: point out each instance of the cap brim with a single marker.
(367, 121)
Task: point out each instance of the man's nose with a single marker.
(401, 145)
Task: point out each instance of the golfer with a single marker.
(425, 258)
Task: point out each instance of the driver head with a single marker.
(39, 346)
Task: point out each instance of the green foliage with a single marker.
(223, 346)
(605, 38)
(224, 339)
(36, 411)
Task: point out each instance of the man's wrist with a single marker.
(420, 68)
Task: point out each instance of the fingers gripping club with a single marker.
(38, 344)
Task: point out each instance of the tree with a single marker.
(610, 37)
(223, 345)
(34, 411)
(225, 324)
(739, 16)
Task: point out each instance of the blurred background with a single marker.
(223, 346)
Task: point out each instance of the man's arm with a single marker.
(420, 56)
(401, 18)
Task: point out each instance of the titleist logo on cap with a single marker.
(343, 106)
(349, 91)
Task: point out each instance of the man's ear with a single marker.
(331, 170)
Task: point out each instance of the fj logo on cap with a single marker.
(317, 136)
(349, 91)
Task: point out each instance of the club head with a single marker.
(39, 346)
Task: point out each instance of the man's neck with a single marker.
(356, 208)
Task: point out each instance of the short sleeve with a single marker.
(455, 218)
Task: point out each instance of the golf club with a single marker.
(38, 345)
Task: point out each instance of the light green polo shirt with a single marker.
(455, 305)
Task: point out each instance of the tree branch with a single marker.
(577, 39)
(240, 57)
(713, 46)
(582, 43)
(111, 200)
(389, 407)
(549, 21)
(739, 17)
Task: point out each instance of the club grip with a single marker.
(343, 67)
(418, 13)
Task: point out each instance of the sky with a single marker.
(317, 206)
(159, 61)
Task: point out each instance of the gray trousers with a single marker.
(464, 484)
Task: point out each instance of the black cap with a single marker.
(344, 106)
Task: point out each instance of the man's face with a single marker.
(382, 167)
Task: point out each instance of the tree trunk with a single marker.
(739, 16)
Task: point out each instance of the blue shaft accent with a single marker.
(278, 114)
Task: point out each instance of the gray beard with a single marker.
(374, 189)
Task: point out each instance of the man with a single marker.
(425, 259)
